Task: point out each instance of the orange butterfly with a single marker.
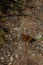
(28, 39)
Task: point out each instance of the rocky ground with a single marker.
(15, 51)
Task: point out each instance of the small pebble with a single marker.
(40, 54)
(10, 63)
(38, 36)
(2, 58)
(36, 48)
(11, 58)
(42, 42)
(33, 54)
(19, 36)
(16, 56)
(11, 39)
(17, 29)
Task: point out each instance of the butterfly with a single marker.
(27, 38)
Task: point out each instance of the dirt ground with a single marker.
(17, 51)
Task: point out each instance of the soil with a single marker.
(16, 51)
